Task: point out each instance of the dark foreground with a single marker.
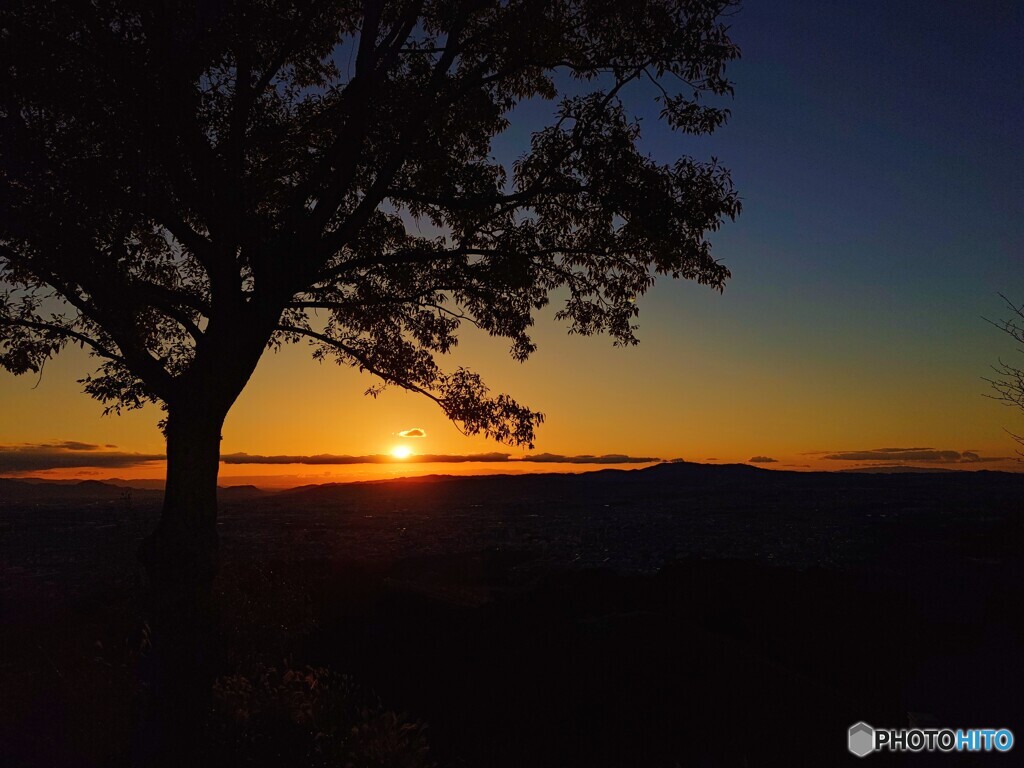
(678, 616)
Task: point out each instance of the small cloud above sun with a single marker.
(402, 452)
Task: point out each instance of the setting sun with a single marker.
(401, 452)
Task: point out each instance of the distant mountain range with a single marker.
(670, 474)
(902, 470)
(82, 490)
(39, 490)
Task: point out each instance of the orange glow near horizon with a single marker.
(640, 402)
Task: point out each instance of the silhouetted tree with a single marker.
(1008, 386)
(187, 184)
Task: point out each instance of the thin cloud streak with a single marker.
(68, 454)
(924, 455)
(438, 458)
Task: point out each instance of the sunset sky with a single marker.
(877, 149)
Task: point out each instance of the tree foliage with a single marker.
(184, 184)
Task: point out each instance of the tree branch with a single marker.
(361, 359)
(69, 333)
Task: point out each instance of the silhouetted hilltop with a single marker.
(683, 486)
(901, 470)
(35, 490)
(723, 485)
(239, 492)
(85, 490)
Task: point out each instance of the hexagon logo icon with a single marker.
(861, 739)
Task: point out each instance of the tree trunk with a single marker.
(181, 554)
(180, 559)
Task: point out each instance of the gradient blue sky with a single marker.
(876, 146)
